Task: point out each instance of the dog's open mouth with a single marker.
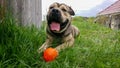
(55, 26)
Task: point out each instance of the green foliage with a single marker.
(18, 44)
(96, 47)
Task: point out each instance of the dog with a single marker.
(59, 26)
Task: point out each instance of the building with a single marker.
(110, 16)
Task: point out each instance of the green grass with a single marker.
(96, 47)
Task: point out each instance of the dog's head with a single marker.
(59, 17)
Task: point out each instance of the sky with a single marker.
(81, 7)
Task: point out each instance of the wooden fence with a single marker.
(26, 12)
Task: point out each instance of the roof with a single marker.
(114, 8)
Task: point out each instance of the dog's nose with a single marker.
(55, 10)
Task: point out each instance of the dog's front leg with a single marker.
(45, 45)
(67, 42)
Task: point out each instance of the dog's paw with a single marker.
(41, 49)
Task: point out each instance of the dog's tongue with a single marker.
(55, 26)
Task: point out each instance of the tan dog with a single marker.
(59, 27)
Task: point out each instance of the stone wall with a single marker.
(110, 20)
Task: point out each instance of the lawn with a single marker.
(96, 47)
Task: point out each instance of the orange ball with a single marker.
(50, 54)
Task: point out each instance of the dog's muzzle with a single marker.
(55, 11)
(55, 20)
(55, 15)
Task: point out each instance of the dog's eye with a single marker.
(50, 7)
(64, 10)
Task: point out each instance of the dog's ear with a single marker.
(71, 11)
